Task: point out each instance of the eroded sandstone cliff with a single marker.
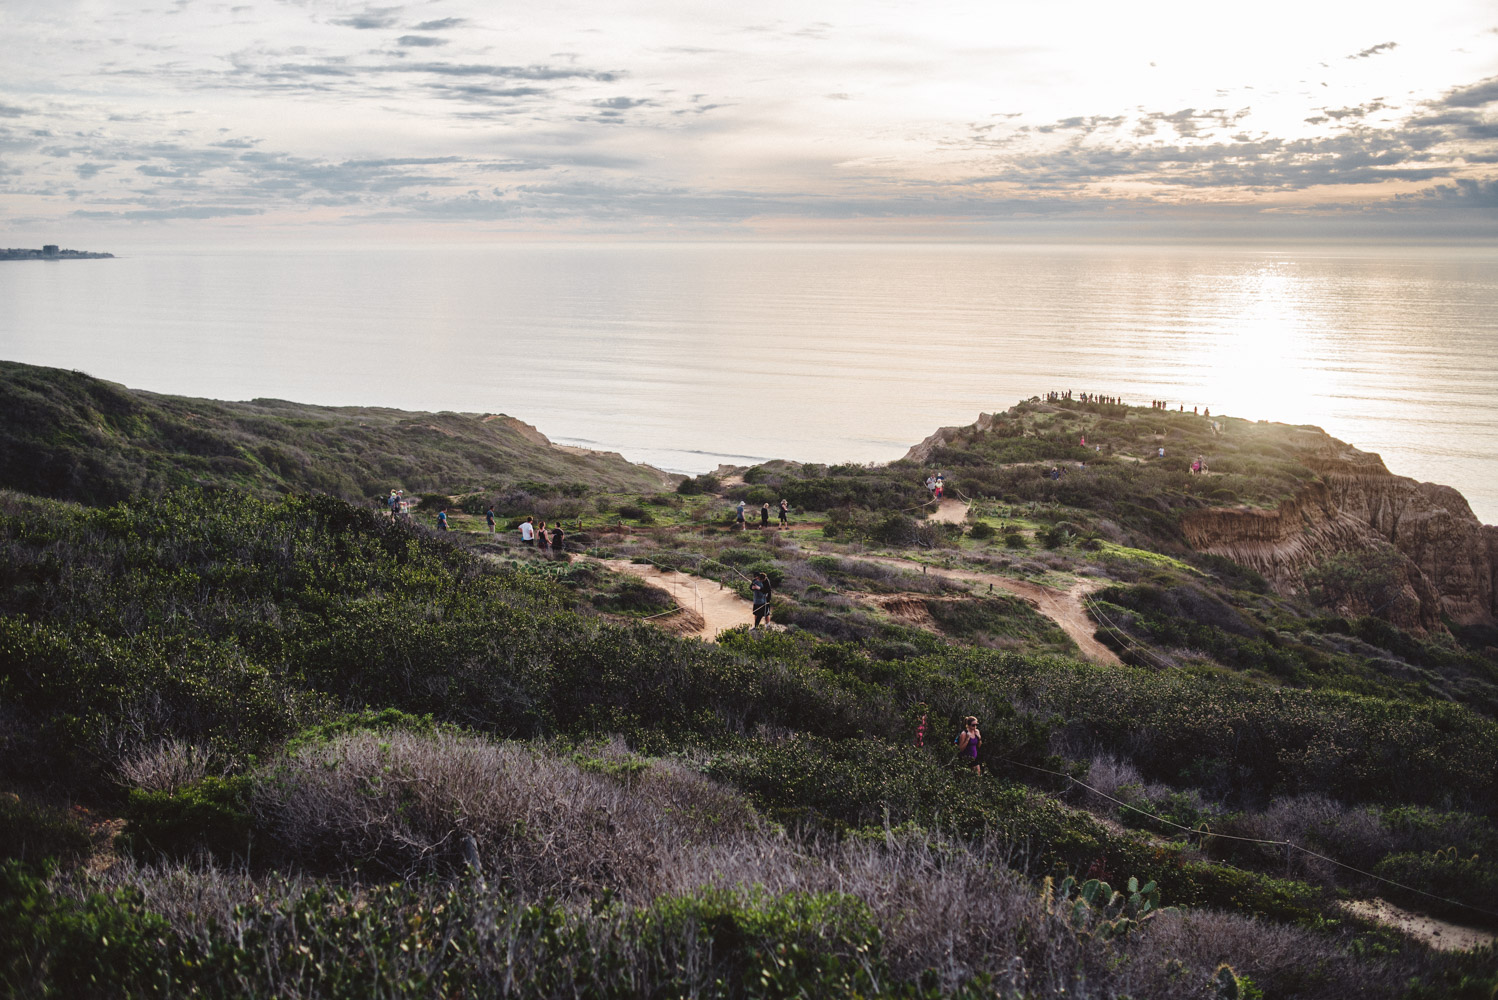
(1356, 506)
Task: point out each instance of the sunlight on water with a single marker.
(687, 356)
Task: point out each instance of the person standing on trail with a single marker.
(738, 517)
(764, 514)
(759, 587)
(968, 742)
(527, 532)
(489, 519)
(543, 540)
(559, 543)
(785, 511)
(442, 519)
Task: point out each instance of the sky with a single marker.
(942, 119)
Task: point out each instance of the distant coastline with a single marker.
(50, 252)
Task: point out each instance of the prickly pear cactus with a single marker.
(1225, 980)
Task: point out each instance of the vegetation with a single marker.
(74, 437)
(350, 755)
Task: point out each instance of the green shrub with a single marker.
(33, 833)
(635, 513)
(211, 815)
(1462, 878)
(982, 531)
(1015, 540)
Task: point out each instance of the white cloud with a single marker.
(322, 111)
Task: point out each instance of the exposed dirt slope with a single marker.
(949, 511)
(1064, 607)
(1438, 934)
(1450, 562)
(718, 608)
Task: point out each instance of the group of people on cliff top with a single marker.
(741, 521)
(1085, 397)
(1160, 404)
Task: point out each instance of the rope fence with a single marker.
(1287, 844)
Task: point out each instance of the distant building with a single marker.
(50, 250)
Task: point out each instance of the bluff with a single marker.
(70, 436)
(1355, 507)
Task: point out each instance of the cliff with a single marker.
(947, 436)
(1446, 561)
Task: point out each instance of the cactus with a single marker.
(1100, 909)
(1226, 982)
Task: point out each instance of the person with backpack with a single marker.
(442, 519)
(559, 543)
(759, 587)
(489, 519)
(968, 742)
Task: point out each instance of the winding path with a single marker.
(1064, 607)
(950, 511)
(719, 607)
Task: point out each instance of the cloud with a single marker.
(407, 161)
(164, 214)
(11, 111)
(371, 19)
(1473, 96)
(1374, 50)
(512, 166)
(1188, 122)
(622, 103)
(485, 93)
(443, 24)
(510, 72)
(420, 41)
(1467, 192)
(88, 170)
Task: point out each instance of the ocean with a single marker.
(691, 355)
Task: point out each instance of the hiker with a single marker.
(785, 511)
(1207, 412)
(738, 517)
(764, 515)
(559, 543)
(1162, 452)
(543, 540)
(931, 485)
(527, 532)
(442, 519)
(489, 519)
(760, 589)
(968, 742)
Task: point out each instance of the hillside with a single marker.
(70, 436)
(257, 745)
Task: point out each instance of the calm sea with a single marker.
(686, 356)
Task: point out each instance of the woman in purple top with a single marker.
(968, 742)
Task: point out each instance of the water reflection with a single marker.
(682, 354)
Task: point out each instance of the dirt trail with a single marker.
(1064, 607)
(720, 608)
(1438, 934)
(949, 510)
